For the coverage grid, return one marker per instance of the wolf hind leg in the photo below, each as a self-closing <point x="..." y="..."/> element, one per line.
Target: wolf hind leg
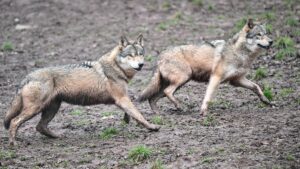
<point x="48" y="114"/>
<point x="27" y="113"/>
<point x="153" y="101"/>
<point x="175" y="83"/>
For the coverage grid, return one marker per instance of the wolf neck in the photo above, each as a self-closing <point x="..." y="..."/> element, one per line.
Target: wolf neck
<point x="112" y="69"/>
<point x="241" y="50"/>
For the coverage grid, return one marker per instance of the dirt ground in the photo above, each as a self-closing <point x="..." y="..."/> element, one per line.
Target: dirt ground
<point x="240" y="133"/>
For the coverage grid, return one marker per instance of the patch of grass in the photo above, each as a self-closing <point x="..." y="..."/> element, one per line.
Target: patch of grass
<point x="6" y="155"/>
<point x="286" y="91"/>
<point x="107" y="114"/>
<point x="7" y="46"/>
<point x="269" y="28"/>
<point x="210" y="7"/>
<point x="286" y="47"/>
<point x="198" y="3"/>
<point x="157" y="120"/>
<point x="168" y="23"/>
<point x="207" y="160"/>
<point x="149" y="58"/>
<point x="166" y="5"/>
<point x="157" y="164"/>
<point x="270" y="16"/>
<point x="260" y="73"/>
<point x="284" y="42"/>
<point x="209" y="120"/>
<point x="268" y="92"/>
<point x="290" y="157"/>
<point x="76" y="112"/>
<point x="291" y="21"/>
<point x="239" y="24"/>
<point x="296" y="32"/>
<point x="139" y="153"/>
<point x="108" y="133"/>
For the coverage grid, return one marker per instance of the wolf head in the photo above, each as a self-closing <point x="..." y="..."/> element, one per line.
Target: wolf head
<point x="254" y="36"/>
<point x="131" y="54"/>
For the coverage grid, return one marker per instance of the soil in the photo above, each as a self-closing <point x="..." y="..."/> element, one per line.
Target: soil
<point x="240" y="131"/>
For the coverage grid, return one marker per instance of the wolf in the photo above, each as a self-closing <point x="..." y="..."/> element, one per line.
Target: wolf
<point x="215" y="62"/>
<point x="102" y="81"/>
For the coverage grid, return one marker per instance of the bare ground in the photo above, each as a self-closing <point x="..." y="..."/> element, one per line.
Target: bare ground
<point x="240" y="133"/>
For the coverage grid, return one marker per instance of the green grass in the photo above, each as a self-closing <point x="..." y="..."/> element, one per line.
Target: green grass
<point x="166" y="5"/>
<point x="108" y="133"/>
<point x="291" y="21"/>
<point x="260" y="73"/>
<point x="149" y="58"/>
<point x="198" y="3"/>
<point x="210" y="7"/>
<point x="7" y="46"/>
<point x="6" y="155"/>
<point x="268" y="92"/>
<point x="290" y="157"/>
<point x="107" y="114"/>
<point x="269" y="28"/>
<point x="157" y="120"/>
<point x="286" y="47"/>
<point x="76" y="112"/>
<point x="286" y="92"/>
<point x="270" y="16"/>
<point x="139" y="153"/>
<point x="173" y="21"/>
<point x="157" y="164"/>
<point x="207" y="160"/>
<point x="239" y="25"/>
<point x="209" y="120"/>
<point x="296" y="32"/>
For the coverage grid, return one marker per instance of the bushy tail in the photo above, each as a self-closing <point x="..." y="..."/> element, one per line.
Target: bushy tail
<point x="14" y="110"/>
<point x="152" y="88"/>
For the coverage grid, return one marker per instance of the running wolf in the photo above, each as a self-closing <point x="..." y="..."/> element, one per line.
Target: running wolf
<point x="215" y="62"/>
<point x="103" y="81"/>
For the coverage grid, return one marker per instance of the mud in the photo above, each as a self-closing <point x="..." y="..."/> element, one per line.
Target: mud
<point x="240" y="133"/>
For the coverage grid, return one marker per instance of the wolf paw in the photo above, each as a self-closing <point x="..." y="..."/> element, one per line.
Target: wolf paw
<point x="153" y="127"/>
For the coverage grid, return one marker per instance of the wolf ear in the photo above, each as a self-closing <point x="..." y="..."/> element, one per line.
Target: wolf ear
<point x="123" y="41"/>
<point x="140" y="40"/>
<point x="249" y="25"/>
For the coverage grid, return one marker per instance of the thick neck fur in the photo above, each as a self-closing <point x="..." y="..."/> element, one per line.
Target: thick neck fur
<point x="112" y="68"/>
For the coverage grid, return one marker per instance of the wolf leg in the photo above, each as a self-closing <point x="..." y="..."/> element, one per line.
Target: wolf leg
<point x="210" y="91"/>
<point x="153" y="102"/>
<point x="174" y="85"/>
<point x="47" y="115"/>
<point x="245" y="83"/>
<point x="27" y="113"/>
<point x="126" y="104"/>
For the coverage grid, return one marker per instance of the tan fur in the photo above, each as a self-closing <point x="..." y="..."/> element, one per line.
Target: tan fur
<point x="216" y="62"/>
<point x="103" y="81"/>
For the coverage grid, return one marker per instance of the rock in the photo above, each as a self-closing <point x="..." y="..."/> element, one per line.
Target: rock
<point x="24" y="27"/>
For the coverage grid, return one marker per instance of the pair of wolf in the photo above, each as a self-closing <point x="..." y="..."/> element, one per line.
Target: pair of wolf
<point x="105" y="80"/>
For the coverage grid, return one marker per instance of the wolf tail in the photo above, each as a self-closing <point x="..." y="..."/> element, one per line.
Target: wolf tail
<point x="152" y="88"/>
<point x="13" y="111"/>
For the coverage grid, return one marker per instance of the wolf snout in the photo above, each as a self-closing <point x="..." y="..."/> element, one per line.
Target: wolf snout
<point x="141" y="65"/>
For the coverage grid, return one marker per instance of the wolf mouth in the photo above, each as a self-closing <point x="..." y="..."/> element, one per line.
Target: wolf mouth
<point x="265" y="47"/>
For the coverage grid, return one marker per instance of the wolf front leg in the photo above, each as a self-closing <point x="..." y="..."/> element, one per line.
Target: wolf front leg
<point x="245" y="83"/>
<point x="126" y="104"/>
<point x="210" y="91"/>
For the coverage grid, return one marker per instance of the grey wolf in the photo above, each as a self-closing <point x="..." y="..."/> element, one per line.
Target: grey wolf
<point x="214" y="62"/>
<point x="102" y="81"/>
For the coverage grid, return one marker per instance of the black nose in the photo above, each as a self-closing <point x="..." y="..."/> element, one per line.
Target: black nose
<point x="270" y="43"/>
<point x="141" y="65"/>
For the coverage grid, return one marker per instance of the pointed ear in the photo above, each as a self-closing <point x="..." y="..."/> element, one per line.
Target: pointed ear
<point x="123" y="41"/>
<point x="140" y="40"/>
<point x="249" y="25"/>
